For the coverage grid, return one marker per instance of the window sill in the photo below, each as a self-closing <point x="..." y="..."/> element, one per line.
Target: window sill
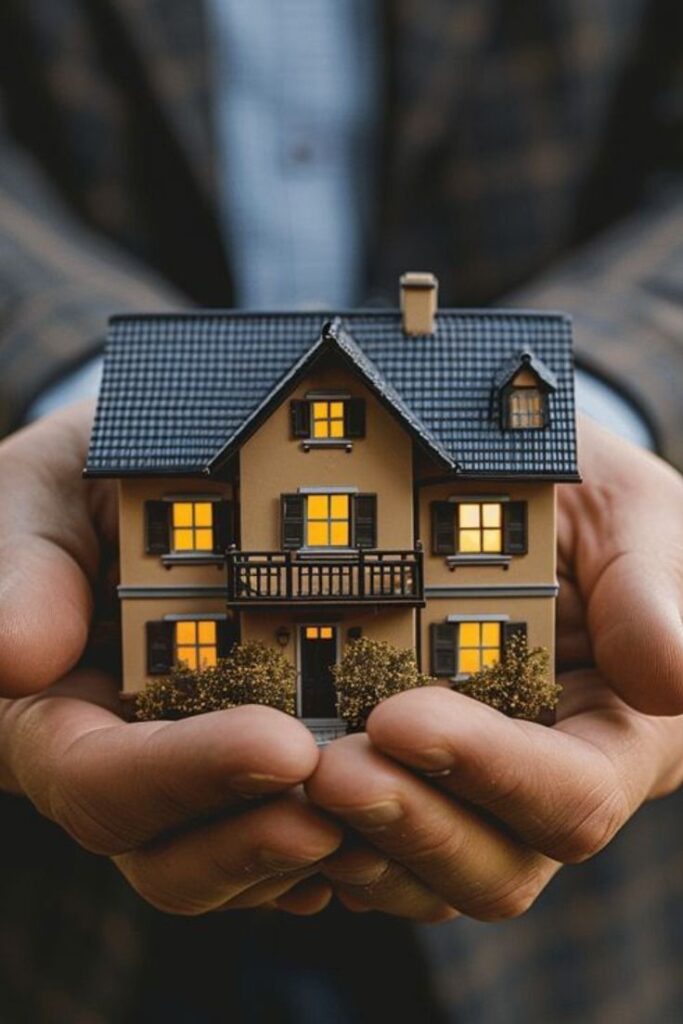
<point x="453" y="561"/>
<point x="319" y="442"/>
<point x="192" y="558"/>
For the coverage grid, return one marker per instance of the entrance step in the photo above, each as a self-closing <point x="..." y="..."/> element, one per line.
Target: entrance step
<point x="324" y="731"/>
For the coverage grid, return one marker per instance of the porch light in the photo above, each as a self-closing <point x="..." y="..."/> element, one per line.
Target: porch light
<point x="283" y="636"/>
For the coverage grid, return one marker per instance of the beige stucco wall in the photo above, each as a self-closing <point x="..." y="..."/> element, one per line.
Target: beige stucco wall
<point x="537" y="566"/>
<point x="396" y="626"/>
<point x="272" y="463"/>
<point x="135" y="612"/>
<point x="537" y="612"/>
<point x="137" y="567"/>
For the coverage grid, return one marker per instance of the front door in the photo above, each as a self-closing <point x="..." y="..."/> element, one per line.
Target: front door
<point x="318" y="647"/>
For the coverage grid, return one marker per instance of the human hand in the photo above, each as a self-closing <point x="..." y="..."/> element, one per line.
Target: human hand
<point x="174" y="803"/>
<point x="513" y="800"/>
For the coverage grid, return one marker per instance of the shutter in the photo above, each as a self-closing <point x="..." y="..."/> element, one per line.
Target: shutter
<point x="159" y="647"/>
<point x="511" y="629"/>
<point x="157" y="527"/>
<point x="515" y="528"/>
<point x="292" y="520"/>
<point x="226" y="630"/>
<point x="443" y="528"/>
<point x="354" y="417"/>
<point x="365" y="521"/>
<point x="223" y="526"/>
<point x="300" y="418"/>
<point x="442" y="637"/>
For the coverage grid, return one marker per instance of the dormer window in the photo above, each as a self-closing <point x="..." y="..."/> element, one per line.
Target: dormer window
<point x="521" y="393"/>
<point x="327" y="419"/>
<point x="525" y="408"/>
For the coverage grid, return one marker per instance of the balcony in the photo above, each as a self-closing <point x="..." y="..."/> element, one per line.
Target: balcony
<point x="272" y="578"/>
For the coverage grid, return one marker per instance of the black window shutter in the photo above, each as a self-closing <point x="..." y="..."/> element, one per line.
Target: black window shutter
<point x="515" y="527"/>
<point x="354" y="417"/>
<point x="365" y="521"/>
<point x="511" y="629"/>
<point x="300" y="416"/>
<point x="223" y="526"/>
<point x="443" y="648"/>
<point x="157" y="527"/>
<point x="292" y="520"/>
<point x="443" y="528"/>
<point x="226" y="630"/>
<point x="159" y="647"/>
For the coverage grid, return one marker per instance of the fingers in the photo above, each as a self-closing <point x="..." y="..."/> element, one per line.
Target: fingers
<point x="114" y="786"/>
<point x="365" y="880"/>
<point x="621" y="540"/>
<point x="470" y="865"/>
<point x="565" y="791"/>
<point x="306" y="898"/>
<point x="208" y="867"/>
<point x="48" y="549"/>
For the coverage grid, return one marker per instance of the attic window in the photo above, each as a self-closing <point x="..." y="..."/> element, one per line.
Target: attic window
<point x="526" y="408"/>
<point x="327" y="419"/>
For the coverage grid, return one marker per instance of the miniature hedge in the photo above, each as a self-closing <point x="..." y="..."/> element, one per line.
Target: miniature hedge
<point x="252" y="673"/>
<point x="518" y="685"/>
<point x="369" y="672"/>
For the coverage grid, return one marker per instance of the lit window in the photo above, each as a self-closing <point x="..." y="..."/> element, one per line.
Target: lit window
<point x="192" y="526"/>
<point x="328" y="419"/>
<point x="327" y="520"/>
<point x="480" y="528"/>
<point x="478" y="646"/>
<point x="526" y="409"/>
<point x="196" y="643"/>
<point x="319" y="633"/>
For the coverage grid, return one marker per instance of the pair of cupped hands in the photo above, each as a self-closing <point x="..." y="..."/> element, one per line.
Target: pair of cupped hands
<point x="444" y="807"/>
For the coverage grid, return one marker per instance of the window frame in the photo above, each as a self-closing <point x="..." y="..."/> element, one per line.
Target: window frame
<point x="330" y="520"/>
<point x="481" y="528"/>
<point x="511" y="391"/>
<point x="197" y="622"/>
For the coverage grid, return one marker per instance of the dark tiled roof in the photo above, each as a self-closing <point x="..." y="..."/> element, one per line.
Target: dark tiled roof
<point x="178" y="390"/>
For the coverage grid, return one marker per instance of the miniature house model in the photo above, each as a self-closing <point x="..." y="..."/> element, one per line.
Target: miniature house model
<point x="304" y="479"/>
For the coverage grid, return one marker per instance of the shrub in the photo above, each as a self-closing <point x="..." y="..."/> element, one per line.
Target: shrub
<point x="252" y="673"/>
<point x="518" y="685"/>
<point x="369" y="672"/>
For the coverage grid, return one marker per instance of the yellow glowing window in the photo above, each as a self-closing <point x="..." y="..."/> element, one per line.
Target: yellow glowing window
<point x="196" y="643"/>
<point x="526" y="409"/>
<point x="478" y="646"/>
<point x="319" y="633"/>
<point x="480" y="528"/>
<point x="328" y="419"/>
<point x="327" y="521"/>
<point x="192" y="526"/>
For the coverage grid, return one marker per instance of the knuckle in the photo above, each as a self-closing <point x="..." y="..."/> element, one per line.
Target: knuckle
<point x="514" y="900"/>
<point x="597" y="824"/>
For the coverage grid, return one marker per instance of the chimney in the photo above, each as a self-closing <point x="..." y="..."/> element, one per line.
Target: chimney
<point x="419" y="291"/>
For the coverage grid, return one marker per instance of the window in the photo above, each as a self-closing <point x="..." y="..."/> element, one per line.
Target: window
<point x="328" y="419"/>
<point x="319" y="633"/>
<point x="196" y="643"/>
<point x="526" y="409"/>
<point x="480" y="527"/>
<point x="327" y="520"/>
<point x="478" y="646"/>
<point x="192" y="523"/>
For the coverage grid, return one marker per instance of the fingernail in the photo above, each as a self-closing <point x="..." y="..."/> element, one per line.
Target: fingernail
<point x="277" y="861"/>
<point x="374" y="816"/>
<point x="255" y="784"/>
<point x="437" y="760"/>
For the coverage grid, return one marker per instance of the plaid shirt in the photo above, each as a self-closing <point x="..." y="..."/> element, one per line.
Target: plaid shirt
<point x="531" y="150"/>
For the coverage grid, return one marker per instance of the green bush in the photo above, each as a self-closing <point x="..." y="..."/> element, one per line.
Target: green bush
<point x="252" y="673"/>
<point x="518" y="685"/>
<point x="369" y="672"/>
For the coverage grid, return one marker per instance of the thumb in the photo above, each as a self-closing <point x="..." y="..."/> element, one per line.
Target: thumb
<point x="48" y="551"/>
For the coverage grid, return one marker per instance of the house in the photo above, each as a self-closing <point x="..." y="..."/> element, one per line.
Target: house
<point x="307" y="478"/>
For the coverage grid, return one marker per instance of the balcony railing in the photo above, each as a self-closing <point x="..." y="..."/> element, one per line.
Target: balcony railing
<point x="361" y="577"/>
